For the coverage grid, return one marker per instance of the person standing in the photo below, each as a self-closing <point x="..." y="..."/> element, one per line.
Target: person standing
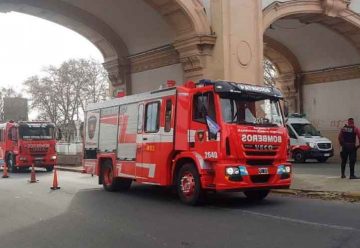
<point x="347" y="140"/>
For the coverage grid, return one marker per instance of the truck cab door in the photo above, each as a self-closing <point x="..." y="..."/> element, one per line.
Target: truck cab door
<point x="148" y="141"/>
<point x="13" y="138"/>
<point x="204" y="133"/>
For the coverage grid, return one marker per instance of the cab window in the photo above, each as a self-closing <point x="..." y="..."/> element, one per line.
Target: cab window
<point x="152" y="119"/>
<point x="168" y="113"/>
<point x="13" y="134"/>
<point x="203" y="105"/>
<point x="140" y="118"/>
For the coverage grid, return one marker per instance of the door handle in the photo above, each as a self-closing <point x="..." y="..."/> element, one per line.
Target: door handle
<point x="145" y="138"/>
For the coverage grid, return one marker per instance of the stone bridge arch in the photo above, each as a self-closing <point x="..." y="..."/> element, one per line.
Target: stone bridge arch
<point x="289" y="71"/>
<point x="185" y="18"/>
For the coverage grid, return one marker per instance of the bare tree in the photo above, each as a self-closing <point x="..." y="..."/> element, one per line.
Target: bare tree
<point x="270" y="72"/>
<point x="63" y="92"/>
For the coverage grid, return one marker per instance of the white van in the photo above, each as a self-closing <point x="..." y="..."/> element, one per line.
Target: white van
<point x="306" y="142"/>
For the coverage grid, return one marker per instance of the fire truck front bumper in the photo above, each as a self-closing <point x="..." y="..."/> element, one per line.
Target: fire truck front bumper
<point x="26" y="161"/>
<point x="244" y="177"/>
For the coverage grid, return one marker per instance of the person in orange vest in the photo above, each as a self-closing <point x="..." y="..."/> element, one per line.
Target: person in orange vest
<point x="347" y="140"/>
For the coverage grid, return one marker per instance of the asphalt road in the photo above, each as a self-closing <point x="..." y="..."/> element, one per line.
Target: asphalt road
<point x="81" y="214"/>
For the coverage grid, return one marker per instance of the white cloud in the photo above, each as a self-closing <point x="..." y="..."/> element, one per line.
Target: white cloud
<point x="28" y="43"/>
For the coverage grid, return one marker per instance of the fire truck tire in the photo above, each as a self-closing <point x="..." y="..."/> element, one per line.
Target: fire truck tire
<point x="256" y="195"/>
<point x="11" y="163"/>
<point x="189" y="186"/>
<point x="299" y="156"/>
<point x="49" y="168"/>
<point x="111" y="183"/>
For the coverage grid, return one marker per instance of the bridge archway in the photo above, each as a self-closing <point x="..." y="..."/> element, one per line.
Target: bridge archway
<point x="142" y="40"/>
<point x="323" y="37"/>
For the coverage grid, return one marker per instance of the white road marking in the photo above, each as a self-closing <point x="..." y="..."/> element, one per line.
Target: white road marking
<point x="305" y="222"/>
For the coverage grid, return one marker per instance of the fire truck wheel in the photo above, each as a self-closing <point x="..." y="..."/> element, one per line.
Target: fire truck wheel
<point x="256" y="195"/>
<point x="49" y="168"/>
<point x="11" y="163"/>
<point x="189" y="186"/>
<point x="299" y="157"/>
<point x="111" y="183"/>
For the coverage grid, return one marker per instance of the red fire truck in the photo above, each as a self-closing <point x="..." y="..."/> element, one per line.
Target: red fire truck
<point x="23" y="144"/>
<point x="209" y="136"/>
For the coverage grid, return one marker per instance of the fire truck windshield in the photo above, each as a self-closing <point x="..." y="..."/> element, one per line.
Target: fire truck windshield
<point x="251" y="111"/>
<point x="36" y="131"/>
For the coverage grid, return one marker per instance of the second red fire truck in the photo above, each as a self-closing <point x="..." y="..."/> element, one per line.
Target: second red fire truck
<point x="23" y="144"/>
<point x="209" y="136"/>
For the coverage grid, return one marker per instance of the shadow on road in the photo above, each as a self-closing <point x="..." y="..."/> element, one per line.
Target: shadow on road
<point x="157" y="194"/>
<point x="150" y="216"/>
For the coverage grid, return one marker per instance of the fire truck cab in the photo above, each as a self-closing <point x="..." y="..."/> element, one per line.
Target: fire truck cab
<point x="23" y="144"/>
<point x="209" y="136"/>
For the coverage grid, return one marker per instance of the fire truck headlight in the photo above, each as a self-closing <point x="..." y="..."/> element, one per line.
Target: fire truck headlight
<point x="53" y="157"/>
<point x="232" y="171"/>
<point x="283" y="169"/>
<point x="311" y="144"/>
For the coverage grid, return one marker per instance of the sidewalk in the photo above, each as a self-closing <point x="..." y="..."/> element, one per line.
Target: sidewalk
<point x="71" y="168"/>
<point x="325" y="183"/>
<point x="324" y="187"/>
<point x="323" y="180"/>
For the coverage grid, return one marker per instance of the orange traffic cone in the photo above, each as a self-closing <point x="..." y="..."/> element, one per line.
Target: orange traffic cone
<point x="33" y="175"/>
<point x="5" y="171"/>
<point x="55" y="181"/>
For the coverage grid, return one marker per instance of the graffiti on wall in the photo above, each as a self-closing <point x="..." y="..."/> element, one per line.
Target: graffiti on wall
<point x="331" y="125"/>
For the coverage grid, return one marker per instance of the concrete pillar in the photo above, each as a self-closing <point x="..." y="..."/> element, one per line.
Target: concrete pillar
<point x="238" y="52"/>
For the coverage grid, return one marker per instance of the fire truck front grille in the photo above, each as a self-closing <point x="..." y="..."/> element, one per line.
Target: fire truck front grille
<point x="324" y="145"/>
<point x="260" y="150"/>
<point x="260" y="153"/>
<point x="38" y="150"/>
<point x="260" y="178"/>
<point x="260" y="162"/>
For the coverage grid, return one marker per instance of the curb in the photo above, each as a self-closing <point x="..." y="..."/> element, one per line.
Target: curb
<point x="69" y="169"/>
<point x="325" y="195"/>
